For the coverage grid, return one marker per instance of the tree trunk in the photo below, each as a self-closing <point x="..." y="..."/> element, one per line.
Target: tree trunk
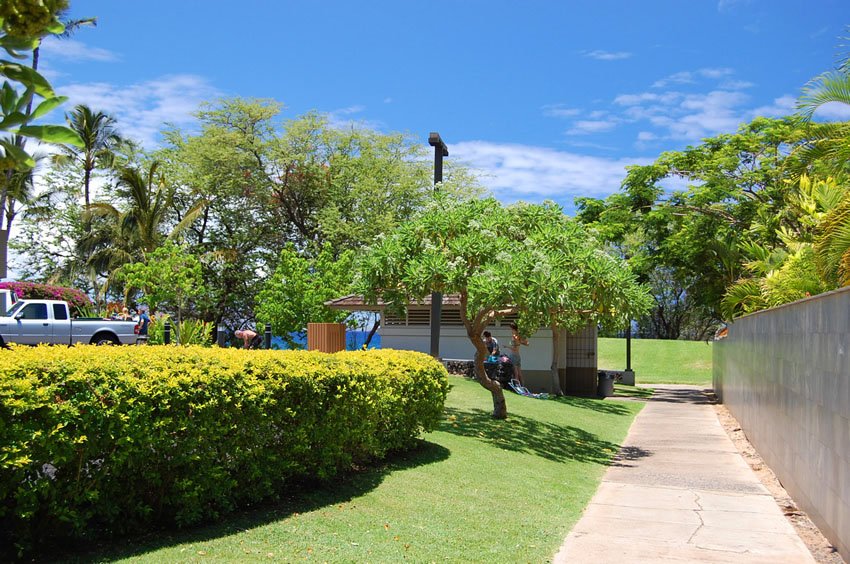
<point x="556" y="378"/>
<point x="86" y="183"/>
<point x="474" y="329"/>
<point x="372" y="332"/>
<point x="500" y="406"/>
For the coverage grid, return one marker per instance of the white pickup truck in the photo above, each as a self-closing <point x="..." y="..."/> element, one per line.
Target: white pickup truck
<point x="30" y="322"/>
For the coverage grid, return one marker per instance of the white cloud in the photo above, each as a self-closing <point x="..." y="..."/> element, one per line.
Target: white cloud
<point x="600" y="55"/>
<point x="76" y="51"/>
<point x="683" y="77"/>
<point x="708" y="114"/>
<point x="726" y="5"/>
<point x="142" y="109"/>
<point x="560" y="110"/>
<point x="782" y="106"/>
<point x="343" y="118"/>
<point x="647" y="136"/>
<point x="691" y="77"/>
<point x="638" y="99"/>
<point x="515" y="172"/>
<point x="833" y="111"/>
<point x="586" y="126"/>
<point x="689" y="117"/>
<point x="736" y="85"/>
<point x="715" y="73"/>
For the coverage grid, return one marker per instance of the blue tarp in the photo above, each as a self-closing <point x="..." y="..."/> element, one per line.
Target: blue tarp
<point x="353" y="340"/>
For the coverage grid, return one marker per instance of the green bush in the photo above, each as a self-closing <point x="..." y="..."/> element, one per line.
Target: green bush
<point x="102" y="441"/>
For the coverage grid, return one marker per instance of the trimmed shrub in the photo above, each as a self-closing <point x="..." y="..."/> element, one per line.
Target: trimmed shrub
<point x="102" y="441"/>
<point x="35" y="291"/>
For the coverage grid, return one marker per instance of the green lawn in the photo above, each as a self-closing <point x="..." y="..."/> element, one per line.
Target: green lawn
<point x="476" y="490"/>
<point x="660" y="362"/>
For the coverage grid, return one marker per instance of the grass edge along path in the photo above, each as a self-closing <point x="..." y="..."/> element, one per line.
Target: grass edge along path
<point x="475" y="490"/>
<point x="657" y="361"/>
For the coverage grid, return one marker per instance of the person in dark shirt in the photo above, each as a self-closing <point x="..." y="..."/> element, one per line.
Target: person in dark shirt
<point x="491" y="343"/>
<point x="144" y="324"/>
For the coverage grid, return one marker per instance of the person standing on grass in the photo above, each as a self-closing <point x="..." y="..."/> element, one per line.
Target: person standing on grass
<point x="516" y="359"/>
<point x="144" y="323"/>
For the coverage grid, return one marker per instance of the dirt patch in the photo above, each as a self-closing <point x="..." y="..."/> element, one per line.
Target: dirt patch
<point x="819" y="546"/>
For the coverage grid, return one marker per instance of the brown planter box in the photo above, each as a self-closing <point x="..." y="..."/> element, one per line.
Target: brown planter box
<point x="326" y="337"/>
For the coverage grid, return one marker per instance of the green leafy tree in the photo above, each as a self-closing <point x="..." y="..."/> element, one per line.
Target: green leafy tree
<point x="169" y="278"/>
<point x="525" y="259"/>
<point x="268" y="183"/>
<point x="22" y="24"/>
<point x="296" y="293"/>
<point x="690" y="244"/>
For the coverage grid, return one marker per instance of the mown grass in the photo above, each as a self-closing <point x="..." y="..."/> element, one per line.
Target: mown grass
<point x="660" y="362"/>
<point x="475" y="490"/>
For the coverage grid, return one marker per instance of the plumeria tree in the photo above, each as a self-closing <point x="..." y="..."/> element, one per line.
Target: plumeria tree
<point x="525" y="259"/>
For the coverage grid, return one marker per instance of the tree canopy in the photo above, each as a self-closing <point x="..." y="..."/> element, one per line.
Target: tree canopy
<point x="525" y="259"/>
<point x="743" y="200"/>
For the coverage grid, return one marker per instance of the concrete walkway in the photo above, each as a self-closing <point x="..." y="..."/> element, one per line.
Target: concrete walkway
<point x="680" y="492"/>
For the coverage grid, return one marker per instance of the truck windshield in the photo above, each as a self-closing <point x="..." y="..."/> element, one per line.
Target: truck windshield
<point x="14" y="309"/>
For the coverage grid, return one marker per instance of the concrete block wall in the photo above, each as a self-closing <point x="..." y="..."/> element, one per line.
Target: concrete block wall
<point x="784" y="373"/>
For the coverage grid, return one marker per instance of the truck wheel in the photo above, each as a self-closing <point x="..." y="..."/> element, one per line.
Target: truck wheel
<point x="104" y="339"/>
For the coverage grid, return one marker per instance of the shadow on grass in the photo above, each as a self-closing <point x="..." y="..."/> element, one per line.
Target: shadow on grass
<point x="593" y="404"/>
<point x="552" y="441"/>
<point x="303" y="497"/>
<point x="633" y="392"/>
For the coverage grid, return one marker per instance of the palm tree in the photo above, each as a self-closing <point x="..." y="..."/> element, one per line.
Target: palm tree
<point x="122" y="236"/>
<point x="100" y="138"/>
<point x="829" y="143"/>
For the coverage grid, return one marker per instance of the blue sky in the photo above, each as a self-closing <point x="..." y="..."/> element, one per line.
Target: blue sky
<point x="547" y="99"/>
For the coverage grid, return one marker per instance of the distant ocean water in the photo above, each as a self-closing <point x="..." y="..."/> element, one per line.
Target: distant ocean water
<point x="354" y="340"/>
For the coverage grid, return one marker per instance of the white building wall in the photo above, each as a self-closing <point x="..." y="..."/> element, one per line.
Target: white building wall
<point x="454" y="343"/>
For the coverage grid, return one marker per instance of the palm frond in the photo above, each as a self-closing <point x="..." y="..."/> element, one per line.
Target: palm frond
<point x="192" y="214"/>
<point x="833" y="86"/>
<point x="742" y="297"/>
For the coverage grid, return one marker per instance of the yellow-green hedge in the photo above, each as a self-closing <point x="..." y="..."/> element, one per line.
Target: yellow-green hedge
<point x="104" y="440"/>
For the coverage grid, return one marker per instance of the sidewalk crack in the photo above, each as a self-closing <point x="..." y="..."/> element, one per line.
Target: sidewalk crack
<point x="698" y="513"/>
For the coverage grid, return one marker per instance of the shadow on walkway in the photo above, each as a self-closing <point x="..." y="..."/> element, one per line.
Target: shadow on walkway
<point x="690" y="395"/>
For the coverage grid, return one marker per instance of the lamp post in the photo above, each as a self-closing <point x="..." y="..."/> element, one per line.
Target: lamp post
<point x="440" y="151"/>
<point x="628" y="373"/>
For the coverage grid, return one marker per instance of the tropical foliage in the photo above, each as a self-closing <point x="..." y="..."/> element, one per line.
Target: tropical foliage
<point x="759" y="223"/>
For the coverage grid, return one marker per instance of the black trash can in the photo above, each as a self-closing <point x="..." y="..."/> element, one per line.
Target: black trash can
<point x="606" y="384"/>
